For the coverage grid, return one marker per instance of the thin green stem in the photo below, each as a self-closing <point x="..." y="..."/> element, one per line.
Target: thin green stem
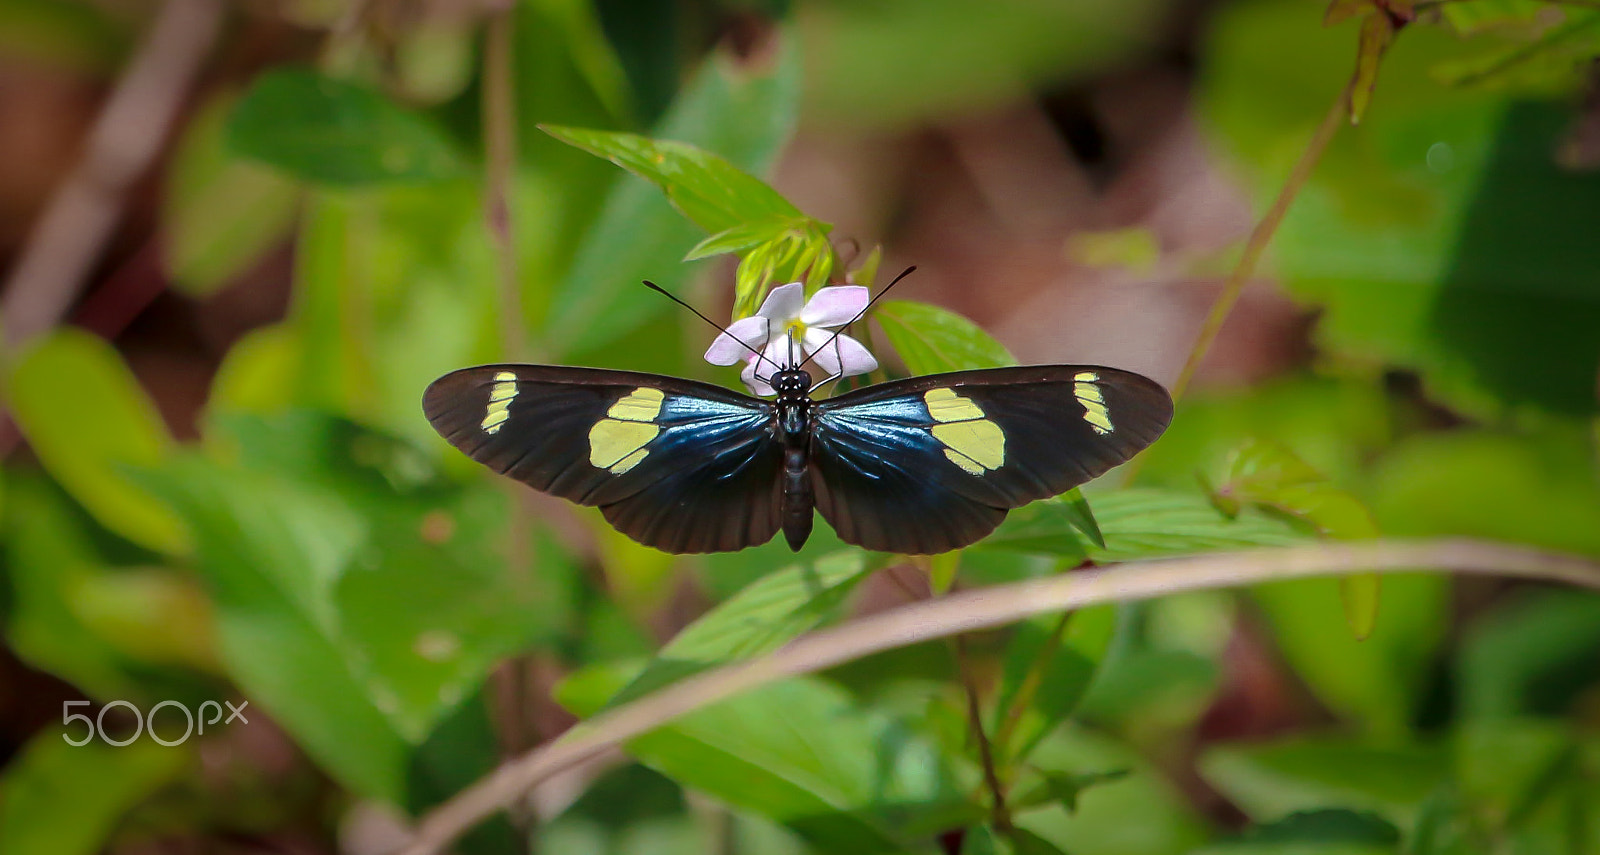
<point x="1260" y="236"/>
<point x="1030" y="684"/>
<point x="1000" y="816"/>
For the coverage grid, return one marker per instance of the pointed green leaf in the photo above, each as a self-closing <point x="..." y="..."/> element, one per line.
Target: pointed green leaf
<point x="744" y="115"/>
<point x="1042" y="528"/>
<point x="91" y="425"/>
<point x="1149" y="523"/>
<point x="705" y="187"/>
<point x="744" y="236"/>
<point x="932" y="340"/>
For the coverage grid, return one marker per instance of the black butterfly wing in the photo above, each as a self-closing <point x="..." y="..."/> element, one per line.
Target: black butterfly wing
<point x="674" y="464"/>
<point x="930" y="464"/>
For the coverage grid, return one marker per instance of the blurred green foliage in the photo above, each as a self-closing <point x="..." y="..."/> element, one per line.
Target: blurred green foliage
<point x="320" y="552"/>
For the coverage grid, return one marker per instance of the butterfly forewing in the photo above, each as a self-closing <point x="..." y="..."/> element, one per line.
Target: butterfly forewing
<point x="675" y="464"/>
<point x="930" y="464"/>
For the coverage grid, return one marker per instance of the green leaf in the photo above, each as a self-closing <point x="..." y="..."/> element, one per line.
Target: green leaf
<point x="931" y="340"/>
<point x="1078" y="512"/>
<point x="1324" y="827"/>
<point x="1507" y="769"/>
<point x="1550" y="64"/>
<point x="90" y="423"/>
<point x="1531" y="488"/>
<point x="1468" y="17"/>
<point x="271" y="555"/>
<point x="1150" y="523"/>
<point x="337" y="133"/>
<point x="798" y="752"/>
<point x="220" y="214"/>
<point x="1041" y="528"/>
<point x="48" y="557"/>
<point x="767" y="614"/>
<point x="985" y="840"/>
<point x="745" y="115"/>
<point x="259" y="372"/>
<point x="737" y="239"/>
<point x="1443" y="238"/>
<point x="708" y="189"/>
<point x="878" y="70"/>
<point x="68" y="800"/>
<point x="1043" y="679"/>
<point x="1065" y="788"/>
<point x="1378" y="682"/>
<point x="942" y="570"/>
<point x="1140" y="814"/>
<point x="1273" y="779"/>
<point x="361" y="597"/>
<point x="1522" y="658"/>
<point x="1271" y="476"/>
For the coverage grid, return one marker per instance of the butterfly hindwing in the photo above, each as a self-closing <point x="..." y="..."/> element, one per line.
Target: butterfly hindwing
<point x="675" y="464"/>
<point x="933" y="463"/>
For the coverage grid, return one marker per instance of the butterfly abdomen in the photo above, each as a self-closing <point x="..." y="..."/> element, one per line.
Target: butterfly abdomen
<point x="798" y="500"/>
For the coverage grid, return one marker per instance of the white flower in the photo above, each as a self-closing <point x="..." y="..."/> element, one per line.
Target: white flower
<point x="813" y="324"/>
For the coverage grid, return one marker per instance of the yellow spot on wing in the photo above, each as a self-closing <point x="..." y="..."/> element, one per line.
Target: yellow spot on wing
<point x="628" y="462"/>
<point x="1098" y="419"/>
<point x="981" y="440"/>
<point x="971" y="466"/>
<point x="945" y="405"/>
<point x="971" y="441"/>
<point x="1088" y="393"/>
<point x="500" y="396"/>
<point x="641" y="405"/>
<point x="619" y="445"/>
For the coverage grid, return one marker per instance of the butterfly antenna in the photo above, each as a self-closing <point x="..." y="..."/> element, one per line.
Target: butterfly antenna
<point x="869" y="305"/>
<point x="720" y="328"/>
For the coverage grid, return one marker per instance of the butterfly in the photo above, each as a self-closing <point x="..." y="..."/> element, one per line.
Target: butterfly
<point x="918" y="466"/>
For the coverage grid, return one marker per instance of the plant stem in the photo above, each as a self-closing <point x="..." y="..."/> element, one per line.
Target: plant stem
<point x="1030" y="683"/>
<point x="999" y="815"/>
<point x="511" y="680"/>
<point x="1260" y="236"/>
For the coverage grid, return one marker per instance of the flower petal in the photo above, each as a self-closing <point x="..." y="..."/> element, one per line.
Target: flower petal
<point x="835" y="305"/>
<point x="783" y="303"/>
<point x="729" y="347"/>
<point x="843" y="356"/>
<point x="777" y="354"/>
<point x="760" y="388"/>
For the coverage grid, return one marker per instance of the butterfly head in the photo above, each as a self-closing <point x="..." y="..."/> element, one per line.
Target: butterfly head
<point x="791" y="383"/>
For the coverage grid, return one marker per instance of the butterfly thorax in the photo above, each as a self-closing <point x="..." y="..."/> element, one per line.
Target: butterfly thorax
<point x="793" y="386"/>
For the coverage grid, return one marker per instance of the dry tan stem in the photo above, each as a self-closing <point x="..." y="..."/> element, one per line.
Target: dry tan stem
<point x="974" y="610"/>
<point x="126" y="137"/>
